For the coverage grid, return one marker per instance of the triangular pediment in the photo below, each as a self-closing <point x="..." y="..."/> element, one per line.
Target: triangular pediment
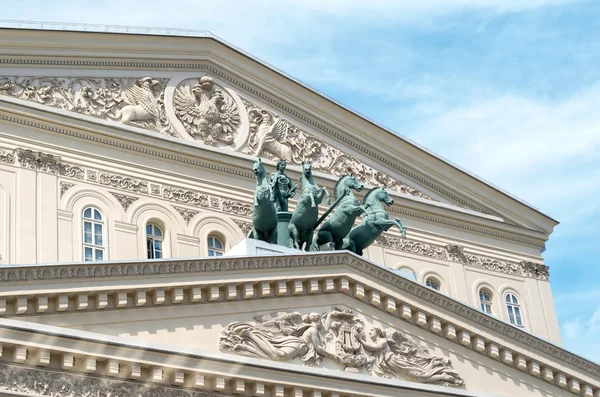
<point x="218" y="98"/>
<point x="300" y="310"/>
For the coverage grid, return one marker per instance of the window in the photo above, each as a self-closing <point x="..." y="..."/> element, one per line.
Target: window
<point x="154" y="241"/>
<point x="215" y="247"/>
<point x="513" y="309"/>
<point x="93" y="235"/>
<point x="432" y="283"/>
<point x="485" y="301"/>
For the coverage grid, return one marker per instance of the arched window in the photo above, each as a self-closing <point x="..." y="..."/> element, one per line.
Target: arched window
<point x="215" y="246"/>
<point x="154" y="241"/>
<point x="513" y="309"/>
<point x="93" y="235"/>
<point x="432" y="283"/>
<point x="485" y="301"/>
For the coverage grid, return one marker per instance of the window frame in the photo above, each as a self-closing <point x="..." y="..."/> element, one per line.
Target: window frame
<point x="93" y="245"/>
<point x="486" y="303"/>
<point x="213" y="251"/>
<point x="434" y="281"/>
<point x="153" y="238"/>
<point x="513" y="309"/>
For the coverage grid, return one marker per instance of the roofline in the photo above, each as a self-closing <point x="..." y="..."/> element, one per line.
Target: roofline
<point x="194" y="33"/>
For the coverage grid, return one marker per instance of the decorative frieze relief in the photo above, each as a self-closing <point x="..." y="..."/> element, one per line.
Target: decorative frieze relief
<point x="338" y="335"/>
<point x="124" y="200"/>
<point x="274" y="137"/>
<point x="38" y="161"/>
<point x="64" y="186"/>
<point x="7" y="156"/>
<point x="135" y="101"/>
<point x="122" y="182"/>
<point x="186" y="213"/>
<point x="235" y="207"/>
<point x="185" y="196"/>
<point x="455" y="253"/>
<point x="61" y="384"/>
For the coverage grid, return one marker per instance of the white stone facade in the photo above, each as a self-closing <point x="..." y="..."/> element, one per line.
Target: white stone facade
<point x="67" y="144"/>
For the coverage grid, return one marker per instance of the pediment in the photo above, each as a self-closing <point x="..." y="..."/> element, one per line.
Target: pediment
<point x="303" y="311"/>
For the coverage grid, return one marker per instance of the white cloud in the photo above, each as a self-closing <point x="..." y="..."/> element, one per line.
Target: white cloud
<point x="582" y="334"/>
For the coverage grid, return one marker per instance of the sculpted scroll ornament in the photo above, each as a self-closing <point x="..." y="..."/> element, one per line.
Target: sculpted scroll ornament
<point x="136" y="101"/>
<point x="274" y="137"/>
<point x="337" y="335"/>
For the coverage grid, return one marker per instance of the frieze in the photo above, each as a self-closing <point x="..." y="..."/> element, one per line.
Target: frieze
<point x="274" y="137"/>
<point x="124" y="200"/>
<point x="32" y="380"/>
<point x="92" y="175"/>
<point x="64" y="186"/>
<point x="186" y="213"/>
<point x="155" y="189"/>
<point x="224" y="264"/>
<point x="185" y="196"/>
<point x="122" y="182"/>
<point x="7" y="156"/>
<point x="341" y="336"/>
<point x="38" y="161"/>
<point x="235" y="207"/>
<point x="135" y="101"/>
<point x="456" y="253"/>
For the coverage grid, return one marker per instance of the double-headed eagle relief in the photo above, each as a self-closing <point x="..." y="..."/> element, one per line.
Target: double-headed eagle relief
<point x="208" y="113"/>
<point x="341" y="336"/>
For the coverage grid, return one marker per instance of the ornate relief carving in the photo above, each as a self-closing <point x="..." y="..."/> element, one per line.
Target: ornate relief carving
<point x="64" y="186"/>
<point x="185" y="196"/>
<point x="536" y="270"/>
<point x="244" y="226"/>
<point x="7" y="156"/>
<point x="136" y="101"/>
<point x="155" y="189"/>
<point x="208" y="112"/>
<point x="215" y="202"/>
<point x="237" y="208"/>
<point x="411" y="246"/>
<point x="92" y="175"/>
<point x="274" y="137"/>
<point x="122" y="182"/>
<point x="71" y="171"/>
<point x="455" y="253"/>
<point x="124" y="200"/>
<point x="38" y="161"/>
<point x="186" y="213"/>
<point x="338" y="335"/>
<point x="59" y="384"/>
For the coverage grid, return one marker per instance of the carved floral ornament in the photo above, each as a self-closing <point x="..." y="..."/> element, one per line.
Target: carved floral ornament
<point x="199" y="109"/>
<point x="338" y="335"/>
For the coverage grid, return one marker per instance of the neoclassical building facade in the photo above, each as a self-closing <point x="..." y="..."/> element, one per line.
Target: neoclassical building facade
<point x="126" y="182"/>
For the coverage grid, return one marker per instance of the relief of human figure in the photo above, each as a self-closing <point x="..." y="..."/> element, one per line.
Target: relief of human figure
<point x="396" y="356"/>
<point x="283" y="338"/>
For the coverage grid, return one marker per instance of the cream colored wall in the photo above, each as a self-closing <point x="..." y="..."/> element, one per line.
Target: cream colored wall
<point x="44" y="227"/>
<point x="199" y="327"/>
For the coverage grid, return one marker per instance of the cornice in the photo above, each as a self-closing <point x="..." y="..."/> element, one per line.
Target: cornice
<point x="78" y="271"/>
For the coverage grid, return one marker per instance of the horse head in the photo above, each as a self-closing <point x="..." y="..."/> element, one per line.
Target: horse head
<point x="346" y="182"/>
<point x="258" y="168"/>
<point x="307" y="168"/>
<point x="376" y="196"/>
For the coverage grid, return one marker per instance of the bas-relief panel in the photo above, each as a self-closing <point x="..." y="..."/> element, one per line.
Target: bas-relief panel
<point x="199" y="109"/>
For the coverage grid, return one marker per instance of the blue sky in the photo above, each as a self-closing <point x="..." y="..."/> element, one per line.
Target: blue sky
<point x="508" y="89"/>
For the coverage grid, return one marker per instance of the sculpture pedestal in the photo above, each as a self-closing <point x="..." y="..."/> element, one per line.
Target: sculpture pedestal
<point x="283" y="232"/>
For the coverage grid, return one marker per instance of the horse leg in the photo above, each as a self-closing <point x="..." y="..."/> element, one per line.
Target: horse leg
<point x="294" y="234"/>
<point x="309" y="239"/>
<point x="272" y="238"/>
<point x="312" y="200"/>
